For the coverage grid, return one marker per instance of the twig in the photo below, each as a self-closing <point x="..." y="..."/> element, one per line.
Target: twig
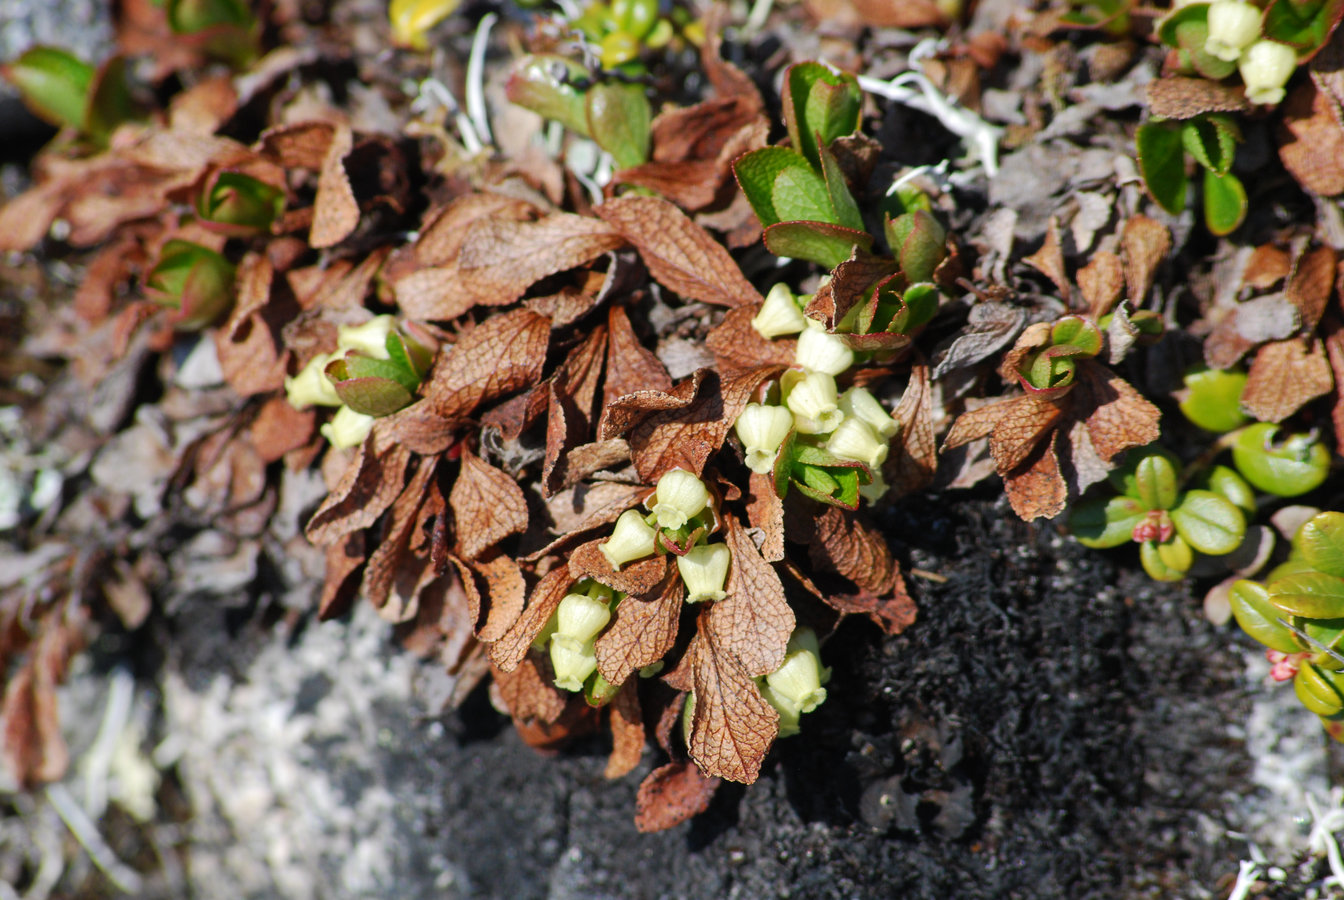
<point x="476" y="109"/>
<point x="122" y="876"/>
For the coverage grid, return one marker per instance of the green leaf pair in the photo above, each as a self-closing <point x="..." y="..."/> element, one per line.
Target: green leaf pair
<point x="1050" y="371"/>
<point x="1211" y="139"/>
<point x="615" y="115"/>
<point x="67" y="92"/>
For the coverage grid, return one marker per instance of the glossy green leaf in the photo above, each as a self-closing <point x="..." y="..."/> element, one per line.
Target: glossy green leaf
<point x="54" y="84"/>
<point x="1224" y="203"/>
<point x="1286" y="467"/>
<point x="110" y="103"/>
<point x="756" y="173"/>
<point x="1315" y="595"/>
<point x="1213" y="401"/>
<point x="799" y="195"/>
<point x="1226" y="483"/>
<point x="845" y="211"/>
<point x="1162" y="164"/>
<point x="1304" y="25"/>
<point x="1209" y="523"/>
<point x="1157" y="482"/>
<point x="1259" y="618"/>
<point x="240" y="201"/>
<point x="619" y="119"/>
<point x="1317" y="692"/>
<point x="1077" y="333"/>
<point x="1212" y="141"/>
<point x="551" y="86"/>
<point x="1156" y="566"/>
<point x="821" y="102"/>
<point x="1321" y="541"/>
<point x="194" y="280"/>
<point x="827" y="245"/>
<point x="919" y="304"/>
<point x="1122" y="476"/>
<point x="1106" y="522"/>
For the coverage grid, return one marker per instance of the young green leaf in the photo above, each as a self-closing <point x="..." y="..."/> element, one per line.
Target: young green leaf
<point x="1101" y="523"/>
<point x="1317" y="691"/>
<point x="825" y="244"/>
<point x="1157" y="482"/>
<point x="820" y="106"/>
<point x="756" y="173"/>
<point x="619" y="119"/>
<point x="1259" y="618"/>
<point x="1224" y="203"/>
<point x="1287" y="468"/>
<point x="1303" y="25"/>
<point x="1155" y="563"/>
<point x="1209" y="523"/>
<point x="1162" y="163"/>
<point x="844" y="210"/>
<point x="1315" y="595"/>
<point x="1213" y="401"/>
<point x="54" y="84"/>
<point x="800" y="195"/>
<point x="1226" y="483"/>
<point x="1321" y="542"/>
<point x="1192" y="39"/>
<point x="1212" y="141"/>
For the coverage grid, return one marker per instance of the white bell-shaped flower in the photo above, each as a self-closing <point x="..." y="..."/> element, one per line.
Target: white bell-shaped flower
<point x="705" y="571"/>
<point x="1233" y="26"/>
<point x="679" y="496"/>
<point x="631" y="538"/>
<point x="1266" y="67"/>
<point x="821" y="351"/>
<point x="369" y="338"/>
<point x="573" y="661"/>
<point x="581" y="617"/>
<point x="799" y="680"/>
<point x="814" y="402"/>
<point x="347" y="428"/>
<point x="876" y="489"/>
<point x="779" y="315"/>
<point x="855" y="439"/>
<point x="789" y="713"/>
<point x="762" y="429"/>
<point x="861" y="404"/>
<point x="312" y="387"/>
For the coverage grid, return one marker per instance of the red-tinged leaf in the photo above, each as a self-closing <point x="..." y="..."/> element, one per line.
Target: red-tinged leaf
<point x="738" y="347"/>
<point x="765" y="512"/>
<point x="691" y="184"/>
<point x="631" y="366"/>
<point x="671" y="794"/>
<point x="527" y="692"/>
<point x="642" y="632"/>
<point x="625" y="412"/>
<point x="978" y="423"/>
<point x="851" y="284"/>
<point x="1284" y="377"/>
<point x="500" y="259"/>
<point x="503" y="354"/>
<point x="509" y="650"/>
<point x="845" y="544"/>
<point x="1146" y="243"/>
<point x="1036" y="489"/>
<point x="35" y="752"/>
<point x="371" y="483"/>
<point x="680" y="254"/>
<point x="571" y="413"/>
<point x="344" y="558"/>
<point x="335" y="210"/>
<point x="733" y="725"/>
<point x="487" y="505"/>
<point x="627" y="732"/>
<point x="639" y="578"/>
<point x="892" y="614"/>
<point x="754" y="621"/>
<point x="914" y="451"/>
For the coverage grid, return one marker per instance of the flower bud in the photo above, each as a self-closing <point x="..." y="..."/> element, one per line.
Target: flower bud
<point x="369" y="338"/>
<point x="861" y="404"/>
<point x="779" y="314"/>
<point x="876" y="489"/>
<point x="813" y="400"/>
<point x="311" y="387"/>
<point x="855" y="439"/>
<point x="1233" y="26"/>
<point x="581" y="617"/>
<point x="678" y="497"/>
<point x="820" y="351"/>
<point x="800" y="677"/>
<point x="347" y="428"/>
<point x="1266" y="67"/>
<point x="631" y="538"/>
<point x="788" y="713"/>
<point x="762" y="429"/>
<point x="705" y="570"/>
<point x="573" y="661"/>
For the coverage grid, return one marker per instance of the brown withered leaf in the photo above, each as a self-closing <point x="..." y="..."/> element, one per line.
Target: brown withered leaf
<point x="733" y="725"/>
<point x="1179" y="97"/>
<point x="571" y="413"/>
<point x="1267" y="266"/>
<point x="509" y="650"/>
<point x="631" y="366"/>
<point x="586" y="506"/>
<point x="564" y="307"/>
<point x="765" y="511"/>
<point x="691" y="184"/>
<point x="642" y="631"/>
<point x="1115" y="415"/>
<point x="843" y="543"/>
<point x="280" y="428"/>
<point x="344" y="558"/>
<point x="440" y="240"/>
<point x="1310" y="285"/>
<point x="914" y="451"/>
<point x="588" y="459"/>
<point x="1334" y="346"/>
<point x="1145" y="242"/>
<point x="390" y="554"/>
<point x="371" y="483"/>
<point x="638" y="579"/>
<point x="527" y="692"/>
<point x="738" y="347"/>
<point x="335" y="209"/>
<point x="754" y="621"/>
<point x="488" y="506"/>
<point x="35" y="751"/>
<point x="500" y="259"/>
<point x="680" y="254"/>
<point x="1311" y="141"/>
<point x="893" y="613"/>
<point x="250" y="354"/>
<point x="503" y="354"/>
<point x="1049" y="261"/>
<point x="1284" y="377"/>
<point x="1036" y="489"/>
<point x="506" y="591"/>
<point x="1023" y="424"/>
<point x="627" y="732"/>
<point x="850" y="285"/>
<point x="419" y="429"/>
<point x="671" y="794"/>
<point x="1102" y="282"/>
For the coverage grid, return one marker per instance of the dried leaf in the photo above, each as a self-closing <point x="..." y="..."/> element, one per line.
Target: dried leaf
<point x="441" y="239"/>
<point x="335" y="209"/>
<point x="503" y="354"/>
<point x="344" y="558"/>
<point x="754" y="621"/>
<point x="1267" y="266"/>
<point x="371" y="483"/>
<point x="914" y="453"/>
<point x="671" y="794"/>
<point x="1146" y="243"/>
<point x="1334" y="345"/>
<point x="571" y="413"/>
<point x="1117" y="418"/>
<point x="1311" y="142"/>
<point x="843" y="543"/>
<point x="487" y="505"/>
<point x="527" y="693"/>
<point x="738" y="347"/>
<point x="638" y="579"/>
<point x="501" y="259"/>
<point x="509" y="651"/>
<point x="1016" y="435"/>
<point x="1036" y="489"/>
<point x="631" y="366"/>
<point x="1049" y="261"/>
<point x="643" y="630"/>
<point x="390" y="554"/>
<point x="506" y="590"/>
<point x="765" y="511"/>
<point x="733" y="725"/>
<point x="586" y="506"/>
<point x="850" y="285"/>
<point x="250" y="353"/>
<point x="280" y="428"/>
<point x="1284" y="377"/>
<point x="35" y="752"/>
<point x="1310" y="285"/>
<point x="1102" y="282"/>
<point x="1178" y="97"/>
<point x="627" y="732"/>
<point x="680" y="254"/>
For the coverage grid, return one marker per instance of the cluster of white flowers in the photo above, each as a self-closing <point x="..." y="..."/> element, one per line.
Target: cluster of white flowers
<point x="852" y="425"/>
<point x="312" y="387"/>
<point x="1236" y="35"/>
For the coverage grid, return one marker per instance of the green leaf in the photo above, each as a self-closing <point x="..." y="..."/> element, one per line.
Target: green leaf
<point x="619" y="120"/>
<point x="54" y="84"/>
<point x="1122" y="477"/>
<point x="1315" y="595"/>
<point x="240" y="201"/>
<point x="1226" y="483"/>
<point x="195" y="280"/>
<point x="836" y="486"/>
<point x="827" y="245"/>
<point x="110" y="103"/>
<point x="1162" y="164"/>
<point x="799" y="195"/>
<point x="919" y="242"/>
<point x="1259" y="618"/>
<point x="756" y="173"/>
<point x="1213" y="401"/>
<point x="1321" y="541"/>
<point x="1224" y="203"/>
<point x="1304" y="26"/>
<point x="1212" y="141"/>
<point x="1287" y="468"/>
<point x="1078" y="334"/>
<point x="1317" y="690"/>
<point x="547" y="86"/>
<point x="1157" y="482"/>
<point x="819" y="101"/>
<point x="918" y="306"/>
<point x="784" y="462"/>
<point x="357" y="365"/>
<point x="845" y="210"/>
<point x="1209" y="523"/>
<point x="1192" y="37"/>
<point x="1168" y="26"/>
<point x="1156" y="566"/>
<point x="1176" y="554"/>
<point x="1101" y="523"/>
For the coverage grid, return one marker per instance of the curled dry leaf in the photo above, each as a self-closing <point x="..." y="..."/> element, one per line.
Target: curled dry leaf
<point x="638" y="579"/>
<point x="372" y="481"/>
<point x="527" y="692"/>
<point x="914" y="452"/>
<point x="1146" y="242"/>
<point x="1049" y="261"/>
<point x="392" y="551"/>
<point x="344" y="557"/>
<point x="505" y="591"/>
<point x="503" y="354"/>
<point x="500" y="259"/>
<point x="844" y="543"/>
<point x="733" y="725"/>
<point x="250" y="353"/>
<point x="1036" y="489"/>
<point x="738" y="347"/>
<point x="851" y="284"/>
<point x="1310" y="285"/>
<point x="643" y="630"/>
<point x="627" y="732"/>
<point x="1102" y="282"/>
<point x="671" y="794"/>
<point x="754" y="621"/>
<point x="509" y="650"/>
<point x="630" y="365"/>
<point x="335" y="209"/>
<point x="1311" y="142"/>
<point x="35" y="752"/>
<point x="487" y="505"/>
<point x="571" y="413"/>
<point x="765" y="512"/>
